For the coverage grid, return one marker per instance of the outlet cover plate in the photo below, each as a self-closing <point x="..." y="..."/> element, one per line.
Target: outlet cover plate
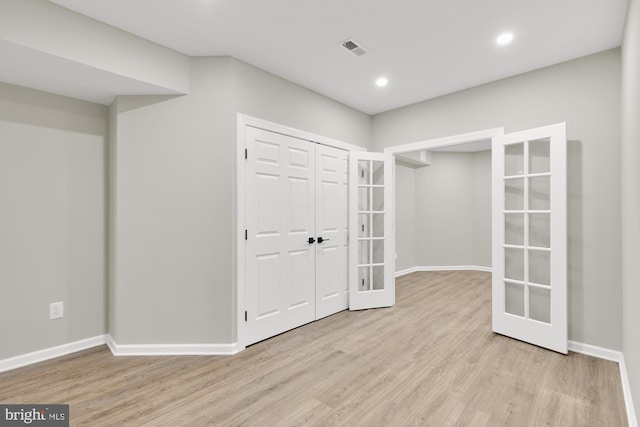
<point x="56" y="310"/>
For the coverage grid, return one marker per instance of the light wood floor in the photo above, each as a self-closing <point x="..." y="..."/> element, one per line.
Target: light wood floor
<point x="431" y="360"/>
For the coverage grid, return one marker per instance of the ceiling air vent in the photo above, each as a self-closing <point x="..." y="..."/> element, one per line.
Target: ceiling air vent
<point x="354" y="47"/>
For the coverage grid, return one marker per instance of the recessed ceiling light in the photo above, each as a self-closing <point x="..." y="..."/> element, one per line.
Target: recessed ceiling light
<point x="504" y="39"/>
<point x="382" y="82"/>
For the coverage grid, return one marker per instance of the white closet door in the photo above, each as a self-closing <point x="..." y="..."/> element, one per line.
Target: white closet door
<point x="332" y="292"/>
<point x="371" y="269"/>
<point x="280" y="218"/>
<point x="530" y="236"/>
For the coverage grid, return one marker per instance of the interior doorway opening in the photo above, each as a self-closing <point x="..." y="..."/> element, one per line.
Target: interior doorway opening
<point x="528" y="228"/>
<point x="443" y="203"/>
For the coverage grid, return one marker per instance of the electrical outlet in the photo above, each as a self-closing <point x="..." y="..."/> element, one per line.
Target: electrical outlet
<point x="56" y="310"/>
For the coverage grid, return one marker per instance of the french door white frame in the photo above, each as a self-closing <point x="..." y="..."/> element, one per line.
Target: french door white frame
<point x="242" y="122"/>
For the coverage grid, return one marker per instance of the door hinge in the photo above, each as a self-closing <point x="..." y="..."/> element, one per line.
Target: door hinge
<point x="246" y="235"/>
<point x="245" y="316"/>
<point x="246" y="153"/>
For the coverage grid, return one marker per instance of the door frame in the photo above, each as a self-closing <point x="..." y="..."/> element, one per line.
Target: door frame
<point x="242" y="122"/>
<point x="447" y="141"/>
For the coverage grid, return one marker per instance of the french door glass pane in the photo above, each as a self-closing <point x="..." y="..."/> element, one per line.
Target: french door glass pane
<point x="378" y="172"/>
<point x="539" y="156"/>
<point x="540" y="230"/>
<point x="378" y="251"/>
<point x="363" y="278"/>
<point x="378" y="225"/>
<point x="514" y="159"/>
<point x="540" y="267"/>
<point x="378" y="199"/>
<point x="514" y="194"/>
<point x="363" y="199"/>
<point x="514" y="299"/>
<point x="378" y="278"/>
<point x="363" y="252"/>
<point x="363" y="225"/>
<point x="514" y="229"/>
<point x="514" y="263"/>
<point x="363" y="172"/>
<point x="539" y="193"/>
<point x="540" y="304"/>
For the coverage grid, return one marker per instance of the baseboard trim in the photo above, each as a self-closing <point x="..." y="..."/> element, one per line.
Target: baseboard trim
<point x="614" y="356"/>
<point x="628" y="398"/>
<point x="595" y="351"/>
<point x="172" y="349"/>
<point x="51" y="353"/>
<point x="444" y="268"/>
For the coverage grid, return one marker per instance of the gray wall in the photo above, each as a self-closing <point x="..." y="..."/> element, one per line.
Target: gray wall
<point x="481" y="193"/>
<point x="52" y="219"/>
<point x="173" y="279"/>
<point x="266" y="96"/>
<point x="631" y="198"/>
<point x="444" y="207"/>
<point x="405" y="221"/>
<point x="586" y="94"/>
<point x="443" y="212"/>
<point x="451" y="205"/>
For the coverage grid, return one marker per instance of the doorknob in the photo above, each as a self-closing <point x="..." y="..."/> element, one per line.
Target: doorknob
<point x="312" y="240"/>
<point x="321" y="239"/>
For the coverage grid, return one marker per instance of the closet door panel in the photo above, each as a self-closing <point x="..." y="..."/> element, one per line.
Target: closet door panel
<point x="332" y="230"/>
<point x="280" y="218"/>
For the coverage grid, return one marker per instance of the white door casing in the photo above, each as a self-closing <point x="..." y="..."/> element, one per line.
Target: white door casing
<point x="371" y="267"/>
<point x="529" y="217"/>
<point x="332" y="183"/>
<point x="280" y="220"/>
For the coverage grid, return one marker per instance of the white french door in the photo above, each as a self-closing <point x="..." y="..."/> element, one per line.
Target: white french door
<point x="371" y="270"/>
<point x="296" y="235"/>
<point x="530" y="236"/>
<point x="332" y="227"/>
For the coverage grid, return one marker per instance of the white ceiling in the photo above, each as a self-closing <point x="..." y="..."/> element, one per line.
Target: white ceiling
<point x="426" y="48"/>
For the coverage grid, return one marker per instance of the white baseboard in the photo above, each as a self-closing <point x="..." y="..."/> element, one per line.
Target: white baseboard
<point x="443" y="268"/>
<point x="172" y="349"/>
<point x="118" y="350"/>
<point x="614" y="356"/>
<point x="50" y="353"/>
<point x="595" y="351"/>
<point x="628" y="399"/>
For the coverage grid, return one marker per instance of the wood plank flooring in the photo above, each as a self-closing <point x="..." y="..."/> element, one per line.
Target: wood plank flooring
<point x="431" y="360"/>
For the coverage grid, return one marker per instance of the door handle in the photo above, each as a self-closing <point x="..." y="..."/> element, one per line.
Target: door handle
<point x="321" y="239"/>
<point x="312" y="240"/>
